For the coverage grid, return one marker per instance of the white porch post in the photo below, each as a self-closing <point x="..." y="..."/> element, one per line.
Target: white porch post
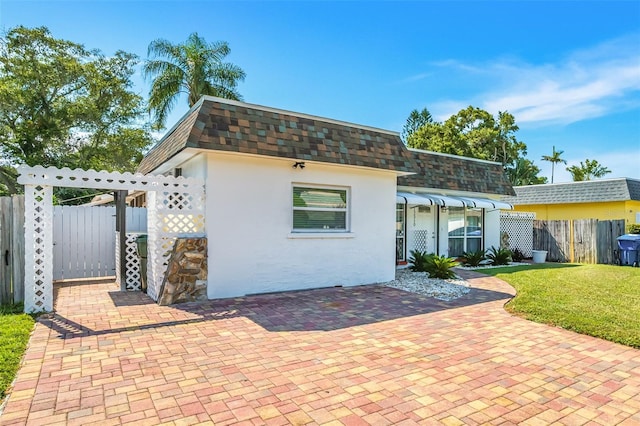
<point x="38" y="231"/>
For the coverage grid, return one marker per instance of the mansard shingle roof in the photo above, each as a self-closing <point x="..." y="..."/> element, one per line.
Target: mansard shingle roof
<point x="223" y="125"/>
<point x="232" y="126"/>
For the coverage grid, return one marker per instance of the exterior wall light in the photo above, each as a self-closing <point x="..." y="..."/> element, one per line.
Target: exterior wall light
<point x="298" y="164"/>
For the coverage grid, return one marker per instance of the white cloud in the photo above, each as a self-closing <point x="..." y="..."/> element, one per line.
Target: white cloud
<point x="586" y="84"/>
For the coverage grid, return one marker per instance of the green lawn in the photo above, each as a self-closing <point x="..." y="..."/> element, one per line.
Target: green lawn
<point x="15" y="328"/>
<point x="598" y="300"/>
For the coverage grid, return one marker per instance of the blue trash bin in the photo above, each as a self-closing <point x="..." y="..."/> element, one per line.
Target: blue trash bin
<point x="629" y="245"/>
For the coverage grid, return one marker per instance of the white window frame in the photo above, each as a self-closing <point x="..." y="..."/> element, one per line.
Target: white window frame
<point x="347" y="209"/>
<point x="465" y="237"/>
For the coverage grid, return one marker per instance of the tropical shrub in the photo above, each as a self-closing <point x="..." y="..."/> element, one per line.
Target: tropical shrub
<point x="517" y="255"/>
<point x="473" y="258"/>
<point x="418" y="260"/>
<point x="440" y="267"/>
<point x="499" y="256"/>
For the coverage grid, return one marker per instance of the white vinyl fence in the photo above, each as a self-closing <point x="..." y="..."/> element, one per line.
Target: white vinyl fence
<point x="84" y="244"/>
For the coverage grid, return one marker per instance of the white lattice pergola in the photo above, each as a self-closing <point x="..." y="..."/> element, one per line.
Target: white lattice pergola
<point x="175" y="207"/>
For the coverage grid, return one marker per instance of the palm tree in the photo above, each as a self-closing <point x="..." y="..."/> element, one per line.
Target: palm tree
<point x="522" y="171"/>
<point x="588" y="170"/>
<point x="195" y="68"/>
<point x="554" y="159"/>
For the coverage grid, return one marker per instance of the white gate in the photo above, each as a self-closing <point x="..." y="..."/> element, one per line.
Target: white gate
<point x="84" y="239"/>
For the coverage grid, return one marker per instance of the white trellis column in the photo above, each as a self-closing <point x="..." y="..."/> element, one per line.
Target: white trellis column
<point x="38" y="277"/>
<point x="174" y="210"/>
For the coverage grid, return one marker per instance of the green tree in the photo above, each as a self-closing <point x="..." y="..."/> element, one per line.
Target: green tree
<point x="194" y="67"/>
<point x="588" y="170"/>
<point x="524" y="172"/>
<point x="554" y="159"/>
<point x="472" y="132"/>
<point x="415" y="121"/>
<point x="65" y="106"/>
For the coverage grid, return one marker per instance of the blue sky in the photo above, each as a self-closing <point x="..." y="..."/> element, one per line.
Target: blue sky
<point x="568" y="71"/>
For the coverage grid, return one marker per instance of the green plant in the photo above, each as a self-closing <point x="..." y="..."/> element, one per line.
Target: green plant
<point x="473" y="258"/>
<point x="418" y="260"/>
<point x="517" y="255"/>
<point x="499" y="256"/>
<point x="15" y="328"/>
<point x="634" y="228"/>
<point x="440" y="267"/>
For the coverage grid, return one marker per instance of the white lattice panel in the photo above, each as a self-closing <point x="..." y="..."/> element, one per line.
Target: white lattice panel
<point x="38" y="280"/>
<point x="420" y="239"/>
<point x="132" y="279"/>
<point x="171" y="215"/>
<point x="519" y="227"/>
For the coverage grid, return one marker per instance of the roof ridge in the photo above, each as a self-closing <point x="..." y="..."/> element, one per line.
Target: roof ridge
<point x="296" y="114"/>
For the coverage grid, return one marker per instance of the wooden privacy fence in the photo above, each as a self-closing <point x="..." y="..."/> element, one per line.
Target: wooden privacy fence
<point x="581" y="241"/>
<point x="11" y="249"/>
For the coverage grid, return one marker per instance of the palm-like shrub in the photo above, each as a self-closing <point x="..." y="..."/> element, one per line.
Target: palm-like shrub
<point x="418" y="260"/>
<point x="517" y="255"/>
<point x="440" y="267"/>
<point x="473" y="258"/>
<point x="499" y="256"/>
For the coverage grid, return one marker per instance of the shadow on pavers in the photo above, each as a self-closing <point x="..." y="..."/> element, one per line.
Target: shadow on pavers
<point x="323" y="309"/>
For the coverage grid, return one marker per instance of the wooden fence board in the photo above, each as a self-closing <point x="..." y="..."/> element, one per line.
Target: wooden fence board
<point x="593" y="241"/>
<point x="552" y="236"/>
<point x="607" y="243"/>
<point x="6" y="289"/>
<point x="584" y="240"/>
<point x="18" y="248"/>
<point x="11" y="249"/>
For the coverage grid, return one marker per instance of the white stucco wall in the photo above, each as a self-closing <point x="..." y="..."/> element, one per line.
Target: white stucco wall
<point x="491" y="228"/>
<point x="249" y="222"/>
<point x="195" y="167"/>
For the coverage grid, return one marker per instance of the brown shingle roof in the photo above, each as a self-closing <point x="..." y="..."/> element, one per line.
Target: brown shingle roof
<point x="444" y="171"/>
<point x="232" y="126"/>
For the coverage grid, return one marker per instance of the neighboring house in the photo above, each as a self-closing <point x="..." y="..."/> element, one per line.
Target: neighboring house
<point x="295" y="201"/>
<point x="604" y="199"/>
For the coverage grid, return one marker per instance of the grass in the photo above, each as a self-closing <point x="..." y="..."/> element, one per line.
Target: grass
<point x="598" y="300"/>
<point x="15" y="328"/>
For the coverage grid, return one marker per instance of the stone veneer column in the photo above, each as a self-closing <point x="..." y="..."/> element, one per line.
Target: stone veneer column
<point x="186" y="276"/>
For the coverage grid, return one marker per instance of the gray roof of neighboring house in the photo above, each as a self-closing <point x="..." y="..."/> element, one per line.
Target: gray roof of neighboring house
<point x="452" y="172"/>
<point x="232" y="126"/>
<point x="620" y="189"/>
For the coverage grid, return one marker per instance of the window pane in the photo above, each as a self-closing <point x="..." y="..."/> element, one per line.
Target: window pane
<point x="474" y="223"/>
<point x="474" y="244"/>
<point x="456" y="247"/>
<point x="399" y="220"/>
<point x="319" y="198"/>
<point x="456" y="221"/>
<point x="308" y="219"/>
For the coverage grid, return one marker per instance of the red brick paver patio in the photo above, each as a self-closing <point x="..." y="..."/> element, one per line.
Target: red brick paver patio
<point x="351" y="356"/>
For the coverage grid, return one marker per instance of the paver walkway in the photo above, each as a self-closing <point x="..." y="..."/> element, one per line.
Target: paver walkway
<point x="350" y="356"/>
